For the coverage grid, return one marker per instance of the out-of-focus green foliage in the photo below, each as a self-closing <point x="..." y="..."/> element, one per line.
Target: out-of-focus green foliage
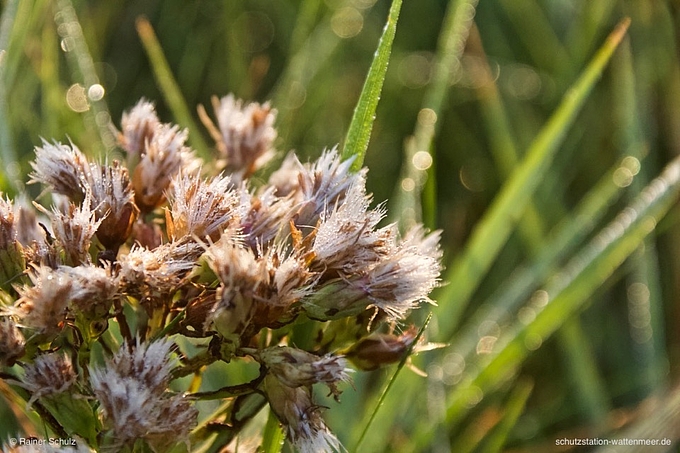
<point x="589" y="255"/>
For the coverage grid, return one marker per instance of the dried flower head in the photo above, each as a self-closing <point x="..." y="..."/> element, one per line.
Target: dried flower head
<point x="245" y="134"/>
<point x="300" y="417"/>
<point x="163" y="157"/>
<point x="347" y="238"/>
<point x="266" y="215"/>
<point x="12" y="341"/>
<point x="113" y="202"/>
<point x="49" y="374"/>
<point x="60" y="167"/>
<point x="400" y="281"/>
<point x="138" y="126"/>
<point x="44" y="304"/>
<point x="74" y="230"/>
<point x="93" y="289"/>
<point x="135" y="402"/>
<point x="202" y="208"/>
<point x="324" y="184"/>
<point x="147" y="273"/>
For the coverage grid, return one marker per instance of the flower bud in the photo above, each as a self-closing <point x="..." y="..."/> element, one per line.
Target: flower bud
<point x="300" y="417"/>
<point x="295" y="367"/>
<point x="380" y="349"/>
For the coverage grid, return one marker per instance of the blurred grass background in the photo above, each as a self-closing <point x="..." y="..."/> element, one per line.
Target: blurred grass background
<point x="614" y="356"/>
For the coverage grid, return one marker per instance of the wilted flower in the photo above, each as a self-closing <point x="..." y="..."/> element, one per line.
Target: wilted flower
<point x="74" y="230"/>
<point x="300" y="417"/>
<point x="43" y="305"/>
<point x="295" y="367"/>
<point x="113" y="202"/>
<point x="49" y="374"/>
<point x="163" y="157"/>
<point x="138" y="126"/>
<point x="201" y="208"/>
<point x="146" y="273"/>
<point x="132" y="389"/>
<point x="245" y="134"/>
<point x="61" y="167"/>
<point x="93" y="288"/>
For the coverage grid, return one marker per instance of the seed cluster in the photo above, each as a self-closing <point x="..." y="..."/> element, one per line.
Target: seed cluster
<point x="131" y="256"/>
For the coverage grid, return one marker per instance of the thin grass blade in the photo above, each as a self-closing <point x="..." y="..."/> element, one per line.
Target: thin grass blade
<point x="570" y="290"/>
<point x="498" y="223"/>
<point x="168" y="85"/>
<point x="359" y="132"/>
<point x="390" y="383"/>
<point x="272" y="439"/>
<point x="514" y="407"/>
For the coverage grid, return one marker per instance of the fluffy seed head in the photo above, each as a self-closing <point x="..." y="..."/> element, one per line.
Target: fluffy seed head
<point x="43" y="305"/>
<point x="245" y="134"/>
<point x="132" y="389"/>
<point x="202" y="208"/>
<point x="49" y="374"/>
<point x="60" y="167"/>
<point x="161" y="161"/>
<point x="138" y="126"/>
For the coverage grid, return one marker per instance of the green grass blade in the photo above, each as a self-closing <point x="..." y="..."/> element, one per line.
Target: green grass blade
<point x="514" y="407"/>
<point x="494" y="229"/>
<point x="401" y="364"/>
<point x="589" y="390"/>
<point x="579" y="279"/>
<point x="455" y="29"/>
<point x="359" y="131"/>
<point x="517" y="288"/>
<point x="644" y="285"/>
<point x="272" y="439"/>
<point x="168" y="85"/>
<point x="7" y="151"/>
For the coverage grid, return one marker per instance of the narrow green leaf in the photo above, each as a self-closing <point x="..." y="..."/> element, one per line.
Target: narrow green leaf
<point x="272" y="439"/>
<point x="7" y="151"/>
<point x="494" y="229"/>
<point x="455" y="29"/>
<point x="359" y="132"/>
<point x="514" y="407"/>
<point x="168" y="85"/>
<point x="568" y="293"/>
<point x="401" y="364"/>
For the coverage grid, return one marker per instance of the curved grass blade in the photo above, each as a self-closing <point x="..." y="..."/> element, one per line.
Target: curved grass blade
<point x="359" y="132"/>
<point x="272" y="439"/>
<point x="455" y="29"/>
<point x="514" y="407"/>
<point x="168" y="85"/>
<point x="495" y="228"/>
<point x="8" y="153"/>
<point x="569" y="292"/>
<point x="390" y="383"/>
